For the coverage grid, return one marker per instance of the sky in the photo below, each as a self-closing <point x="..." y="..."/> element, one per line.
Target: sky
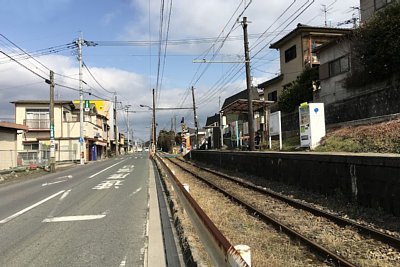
<point x="128" y="58"/>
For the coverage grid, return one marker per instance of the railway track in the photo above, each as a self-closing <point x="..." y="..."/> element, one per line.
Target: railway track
<point x="260" y="207"/>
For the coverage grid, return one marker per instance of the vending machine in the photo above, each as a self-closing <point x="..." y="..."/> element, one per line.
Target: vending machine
<point x="312" y="124"/>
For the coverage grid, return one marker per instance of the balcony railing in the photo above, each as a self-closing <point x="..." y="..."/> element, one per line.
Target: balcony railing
<point x="42" y="124"/>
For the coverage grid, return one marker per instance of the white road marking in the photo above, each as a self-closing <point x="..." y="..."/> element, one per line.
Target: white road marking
<point x="93" y="175"/>
<point x="118" y="176"/>
<point x="56" y="182"/>
<point x="74" y="218"/>
<point x="108" y="184"/>
<point x="137" y="191"/>
<point x="123" y="262"/>
<point x="65" y="194"/>
<point x="58" y="203"/>
<point x="65" y="176"/>
<point x="30" y="207"/>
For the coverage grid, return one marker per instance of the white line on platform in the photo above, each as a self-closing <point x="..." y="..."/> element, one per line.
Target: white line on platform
<point x="30" y="207"/>
<point x="74" y="218"/>
<point x="56" y="182"/>
<point x="93" y="175"/>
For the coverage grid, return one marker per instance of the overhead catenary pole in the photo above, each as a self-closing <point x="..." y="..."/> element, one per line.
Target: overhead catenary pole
<point x="81" y="136"/>
<point x="127" y="119"/>
<point x="195" y="119"/>
<point x="175" y="123"/>
<point x="221" y="127"/>
<point x="116" y="136"/>
<point x="154" y="123"/>
<point x="52" y="143"/>
<point x="248" y="84"/>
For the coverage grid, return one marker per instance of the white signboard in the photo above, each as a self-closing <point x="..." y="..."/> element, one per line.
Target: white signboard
<point x="274" y="127"/>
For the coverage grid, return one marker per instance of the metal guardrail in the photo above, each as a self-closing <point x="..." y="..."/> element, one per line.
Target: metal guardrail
<point x="220" y="250"/>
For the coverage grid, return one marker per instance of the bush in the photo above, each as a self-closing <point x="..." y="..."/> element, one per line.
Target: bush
<point x="375" y="48"/>
<point x="298" y="91"/>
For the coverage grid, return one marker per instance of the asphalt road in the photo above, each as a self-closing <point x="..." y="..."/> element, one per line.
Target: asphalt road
<point x="91" y="215"/>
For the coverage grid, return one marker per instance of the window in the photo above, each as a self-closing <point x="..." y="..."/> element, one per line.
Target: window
<point x="381" y="3"/>
<point x="339" y="66"/>
<point x="37" y="118"/>
<point x="32" y="146"/>
<point x="290" y="54"/>
<point x="273" y="96"/>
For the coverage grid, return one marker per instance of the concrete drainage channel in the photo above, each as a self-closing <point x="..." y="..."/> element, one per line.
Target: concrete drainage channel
<point x="220" y="251"/>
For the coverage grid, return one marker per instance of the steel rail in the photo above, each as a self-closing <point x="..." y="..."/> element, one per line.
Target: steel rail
<point x="320" y="250"/>
<point x="365" y="230"/>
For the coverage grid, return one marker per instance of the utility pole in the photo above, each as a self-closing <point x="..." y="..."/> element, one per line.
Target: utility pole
<point x="81" y="137"/>
<point x="154" y="123"/>
<point x="52" y="144"/>
<point x="248" y="83"/>
<point x="175" y="123"/>
<point x="116" y="135"/>
<point x="221" y="127"/>
<point x="325" y="11"/>
<point x="195" y="120"/>
<point x="127" y="118"/>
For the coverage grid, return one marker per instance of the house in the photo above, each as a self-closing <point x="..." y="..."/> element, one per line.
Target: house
<point x="8" y="144"/>
<point x="296" y="53"/>
<point x="372" y="100"/>
<point x="213" y="131"/>
<point x="235" y="112"/>
<point x="35" y="144"/>
<point x="336" y="63"/>
<point x="370" y="7"/>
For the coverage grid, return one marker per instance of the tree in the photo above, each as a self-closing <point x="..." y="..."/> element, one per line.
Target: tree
<point x="376" y="47"/>
<point x="298" y="91"/>
<point x="165" y="140"/>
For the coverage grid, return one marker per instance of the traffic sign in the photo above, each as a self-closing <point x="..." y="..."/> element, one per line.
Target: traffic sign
<point x="87" y="105"/>
<point x="51" y="131"/>
<point x="81" y="140"/>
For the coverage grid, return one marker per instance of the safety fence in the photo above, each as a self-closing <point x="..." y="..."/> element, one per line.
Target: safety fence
<point x="17" y="158"/>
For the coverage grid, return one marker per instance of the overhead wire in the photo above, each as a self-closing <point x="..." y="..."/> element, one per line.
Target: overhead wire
<point x="165" y="51"/>
<point x="206" y="94"/>
<point x="216" y="88"/>
<point x="94" y="78"/>
<point x="160" y="36"/>
<point x="194" y="81"/>
<point x="25" y="67"/>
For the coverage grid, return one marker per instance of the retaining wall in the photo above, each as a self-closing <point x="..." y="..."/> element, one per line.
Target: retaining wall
<point x="372" y="181"/>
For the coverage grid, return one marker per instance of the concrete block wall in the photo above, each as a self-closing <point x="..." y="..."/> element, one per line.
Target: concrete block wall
<point x="372" y="181"/>
<point x="375" y="103"/>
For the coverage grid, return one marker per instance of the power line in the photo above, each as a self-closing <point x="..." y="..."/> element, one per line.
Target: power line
<point x="25" y="67"/>
<point x="94" y="78"/>
<point x="165" y="49"/>
<point x="24" y="52"/>
<point x="212" y="92"/>
<point x="218" y="50"/>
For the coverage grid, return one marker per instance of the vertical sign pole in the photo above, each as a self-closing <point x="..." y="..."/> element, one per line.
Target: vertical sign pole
<point x="52" y="143"/>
